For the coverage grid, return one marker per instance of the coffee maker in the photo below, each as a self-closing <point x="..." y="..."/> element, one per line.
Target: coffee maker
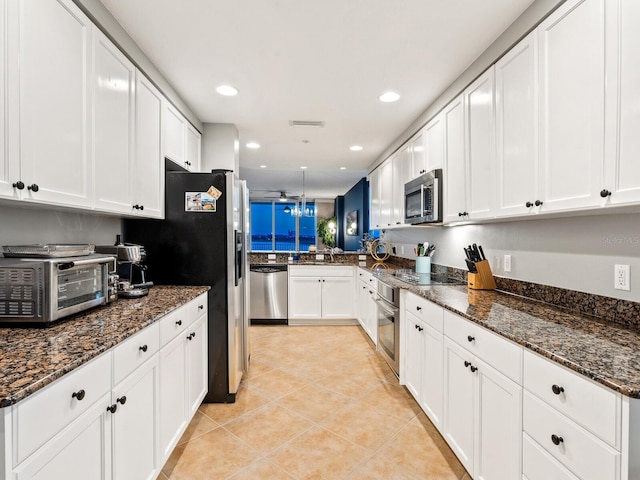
<point x="133" y="281"/>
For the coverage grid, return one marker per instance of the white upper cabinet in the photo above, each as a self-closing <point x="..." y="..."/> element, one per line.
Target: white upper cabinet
<point x="9" y="173"/>
<point x="480" y="145"/>
<point x="455" y="196"/>
<point x="386" y="193"/>
<point x="434" y="143"/>
<point x="113" y="126"/>
<point x="572" y="88"/>
<point x="193" y="146"/>
<point x="180" y="141"/>
<point x="54" y="101"/>
<point x="516" y="129"/>
<point x="417" y="154"/>
<point x="401" y="169"/>
<point x="148" y="167"/>
<point x="622" y="167"/>
<point x="374" y="198"/>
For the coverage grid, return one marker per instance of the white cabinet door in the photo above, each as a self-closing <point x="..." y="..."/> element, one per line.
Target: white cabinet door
<point x="372" y="316"/>
<point x="374" y="198"/>
<point x="432" y="395"/>
<point x="135" y="431"/>
<point x="113" y="126"/>
<point x="418" y="159"/>
<point x="516" y="129"/>
<point x="622" y="168"/>
<point x="196" y="364"/>
<point x="193" y="145"/>
<point x="174" y="134"/>
<point x="434" y="143"/>
<point x="572" y="88"/>
<point x="54" y="72"/>
<point x="148" y="172"/>
<point x="459" y="394"/>
<point x="81" y="452"/>
<point x="455" y="196"/>
<point x="337" y="297"/>
<point x="305" y="297"/>
<point x="386" y="193"/>
<point x="413" y="355"/>
<point x="363" y="305"/>
<point x="398" y="166"/>
<point x="172" y="399"/>
<point x="498" y="425"/>
<point x="480" y="145"/>
<point x="9" y="167"/>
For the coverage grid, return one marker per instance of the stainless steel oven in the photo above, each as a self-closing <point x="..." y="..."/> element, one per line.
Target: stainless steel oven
<point x="388" y="302"/>
<point x="423" y="198"/>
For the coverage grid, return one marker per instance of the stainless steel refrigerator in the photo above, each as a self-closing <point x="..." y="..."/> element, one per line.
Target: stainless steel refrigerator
<point x="202" y="241"/>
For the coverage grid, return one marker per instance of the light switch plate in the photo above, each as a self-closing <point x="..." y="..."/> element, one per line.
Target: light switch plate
<point x="320" y="256"/>
<point x="271" y="256"/>
<point x="362" y="257"/>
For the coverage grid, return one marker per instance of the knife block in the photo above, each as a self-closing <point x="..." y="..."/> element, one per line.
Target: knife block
<point x="483" y="280"/>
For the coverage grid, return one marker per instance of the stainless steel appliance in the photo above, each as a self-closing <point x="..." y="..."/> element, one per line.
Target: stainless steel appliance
<point x="202" y="241"/>
<point x="423" y="198"/>
<point x="388" y="302"/>
<point x="269" y="298"/>
<point x="133" y="279"/>
<point x="43" y="290"/>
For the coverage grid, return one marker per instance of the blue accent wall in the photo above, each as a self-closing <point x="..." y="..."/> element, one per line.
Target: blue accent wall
<point x="355" y="199"/>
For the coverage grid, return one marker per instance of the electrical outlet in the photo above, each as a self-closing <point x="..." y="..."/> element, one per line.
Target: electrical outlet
<point x="621" y="278"/>
<point x="507" y="263"/>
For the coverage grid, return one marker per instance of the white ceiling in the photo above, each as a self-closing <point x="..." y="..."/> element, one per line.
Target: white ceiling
<point x="322" y="60"/>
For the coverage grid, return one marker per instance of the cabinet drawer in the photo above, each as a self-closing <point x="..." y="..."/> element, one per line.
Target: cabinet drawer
<point x="590" y="405"/>
<point x="428" y="312"/>
<point x="537" y="464"/>
<point x="42" y="415"/>
<point x="320" y="271"/>
<point x="582" y="453"/>
<point x="197" y="307"/>
<point x="173" y="323"/>
<point x="498" y="352"/>
<point x="134" y="351"/>
<point x="364" y="275"/>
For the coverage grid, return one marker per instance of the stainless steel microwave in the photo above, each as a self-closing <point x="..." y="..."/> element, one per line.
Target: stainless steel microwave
<point x="423" y="199"/>
<point x="39" y="291"/>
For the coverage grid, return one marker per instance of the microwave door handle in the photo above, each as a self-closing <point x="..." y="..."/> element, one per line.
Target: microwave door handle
<point x="422" y="200"/>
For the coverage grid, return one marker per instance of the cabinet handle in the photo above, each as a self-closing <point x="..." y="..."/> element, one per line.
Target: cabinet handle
<point x="528" y="204"/>
<point x="193" y="334"/>
<point x="200" y="307"/>
<point x="467" y="364"/>
<point x="136" y="207"/>
<point x="462" y="214"/>
<point x="322" y="281"/>
<point x="79" y="395"/>
<point x="19" y="185"/>
<point x="539" y="202"/>
<point x="420" y="329"/>
<point x="418" y="308"/>
<point x="190" y="336"/>
<point x="605" y="193"/>
<point x="556" y="439"/>
<point x="179" y="322"/>
<point x="141" y="207"/>
<point x="112" y="408"/>
<point x="122" y="400"/>
<point x="144" y="348"/>
<point x="557" y="389"/>
<point x="370" y="292"/>
<point x="474" y="369"/>
<point x="415" y="326"/>
<point x="34" y="187"/>
<point x="470" y="338"/>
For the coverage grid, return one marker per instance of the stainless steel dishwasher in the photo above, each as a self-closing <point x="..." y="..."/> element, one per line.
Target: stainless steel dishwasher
<point x="268" y="286"/>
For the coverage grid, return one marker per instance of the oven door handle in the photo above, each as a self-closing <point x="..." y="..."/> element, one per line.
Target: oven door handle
<point x="382" y="304"/>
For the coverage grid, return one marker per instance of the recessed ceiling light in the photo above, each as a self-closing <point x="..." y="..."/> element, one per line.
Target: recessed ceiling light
<point x="263" y="166"/>
<point x="303" y="168"/>
<point x="389" y="97"/>
<point x="355" y="148"/>
<point x="343" y="168"/>
<point x="253" y="145"/>
<point x="227" y="90"/>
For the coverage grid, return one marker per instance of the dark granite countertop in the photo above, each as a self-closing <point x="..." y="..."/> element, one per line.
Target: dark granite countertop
<point x="603" y="351"/>
<point x="32" y="358"/>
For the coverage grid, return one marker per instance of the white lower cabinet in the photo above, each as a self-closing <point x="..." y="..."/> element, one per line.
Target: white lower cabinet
<point x="82" y="428"/>
<point x="367" y="307"/>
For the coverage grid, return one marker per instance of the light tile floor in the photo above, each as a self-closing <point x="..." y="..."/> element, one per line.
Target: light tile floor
<point x="317" y="403"/>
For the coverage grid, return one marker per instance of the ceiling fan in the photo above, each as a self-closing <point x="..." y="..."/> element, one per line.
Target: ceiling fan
<point x="282" y="195"/>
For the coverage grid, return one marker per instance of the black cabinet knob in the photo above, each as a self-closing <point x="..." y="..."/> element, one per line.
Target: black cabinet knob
<point x="112" y="408"/>
<point x="539" y="202"/>
<point x="370" y="292"/>
<point x="136" y="207"/>
<point x="122" y="400"/>
<point x="418" y="308"/>
<point x="557" y="389"/>
<point x="420" y="329"/>
<point x="556" y="439"/>
<point x="415" y="326"/>
<point x="144" y="348"/>
<point x="34" y="187"/>
<point x="19" y="185"/>
<point x="474" y="369"/>
<point x="605" y="193"/>
<point x="141" y="207"/>
<point x="189" y="337"/>
<point x="528" y="204"/>
<point x="179" y="322"/>
<point x="470" y="338"/>
<point x="193" y="334"/>
<point x="79" y="395"/>
<point x="460" y="214"/>
<point x="467" y="364"/>
<point x="200" y="307"/>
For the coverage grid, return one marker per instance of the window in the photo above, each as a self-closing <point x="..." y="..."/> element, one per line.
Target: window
<point x="276" y="226"/>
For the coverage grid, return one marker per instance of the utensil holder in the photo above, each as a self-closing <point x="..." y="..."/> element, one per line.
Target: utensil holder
<point x="423" y="264"/>
<point x="483" y="280"/>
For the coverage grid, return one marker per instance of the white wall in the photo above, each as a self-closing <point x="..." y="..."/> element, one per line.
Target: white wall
<point x="220" y="147"/>
<point x="29" y="225"/>
<point x="577" y="253"/>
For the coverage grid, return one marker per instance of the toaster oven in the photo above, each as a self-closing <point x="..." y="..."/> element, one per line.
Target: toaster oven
<point x="39" y="291"/>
